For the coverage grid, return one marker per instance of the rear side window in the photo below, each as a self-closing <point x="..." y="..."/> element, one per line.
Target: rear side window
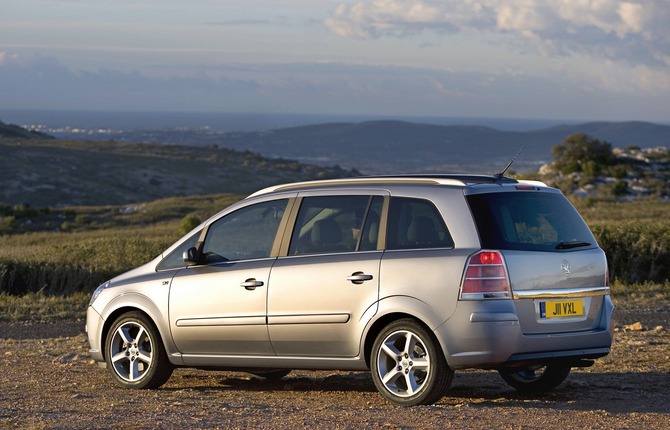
<point x="530" y="221"/>
<point x="416" y="223"/>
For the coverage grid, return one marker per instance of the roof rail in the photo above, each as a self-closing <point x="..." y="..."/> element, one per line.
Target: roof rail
<point x="421" y="178"/>
<point x="465" y="178"/>
<point x="454" y="180"/>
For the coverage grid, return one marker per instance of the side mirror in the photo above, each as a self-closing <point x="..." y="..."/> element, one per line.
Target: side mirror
<point x="191" y="256"/>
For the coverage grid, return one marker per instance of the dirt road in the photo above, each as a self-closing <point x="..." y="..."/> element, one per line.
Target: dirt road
<point x="47" y="381"/>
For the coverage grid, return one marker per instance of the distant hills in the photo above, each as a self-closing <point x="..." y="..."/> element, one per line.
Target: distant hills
<point x="41" y="171"/>
<point x="406" y="147"/>
<point x="396" y="146"/>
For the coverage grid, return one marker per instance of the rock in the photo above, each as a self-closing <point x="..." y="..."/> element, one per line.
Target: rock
<point x="637" y="326"/>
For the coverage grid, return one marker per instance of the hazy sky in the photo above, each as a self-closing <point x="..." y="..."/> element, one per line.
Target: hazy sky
<point x="563" y="59"/>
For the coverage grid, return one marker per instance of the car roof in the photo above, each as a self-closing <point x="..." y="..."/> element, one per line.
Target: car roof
<point x="457" y="180"/>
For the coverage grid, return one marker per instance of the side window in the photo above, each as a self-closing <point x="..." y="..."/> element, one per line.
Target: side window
<point x="247" y="233"/>
<point x="335" y="224"/>
<point x="416" y="223"/>
<point x="175" y="260"/>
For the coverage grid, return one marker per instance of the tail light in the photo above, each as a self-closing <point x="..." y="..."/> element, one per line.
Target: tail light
<point x="485" y="277"/>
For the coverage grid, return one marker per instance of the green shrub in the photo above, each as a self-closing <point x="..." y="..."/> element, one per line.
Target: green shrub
<point x="188" y="223"/>
<point x="636" y="252"/>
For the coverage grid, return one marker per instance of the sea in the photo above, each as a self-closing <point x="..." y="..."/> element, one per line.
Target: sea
<point x="61" y="123"/>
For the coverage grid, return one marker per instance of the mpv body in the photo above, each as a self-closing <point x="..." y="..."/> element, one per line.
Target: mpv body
<point x="410" y="277"/>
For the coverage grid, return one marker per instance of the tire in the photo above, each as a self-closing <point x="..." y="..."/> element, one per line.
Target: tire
<point x="271" y="374"/>
<point x="535" y="379"/>
<point x="408" y="366"/>
<point x="135" y="354"/>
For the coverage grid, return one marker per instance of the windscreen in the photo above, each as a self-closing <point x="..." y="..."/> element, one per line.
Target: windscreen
<point x="529" y="221"/>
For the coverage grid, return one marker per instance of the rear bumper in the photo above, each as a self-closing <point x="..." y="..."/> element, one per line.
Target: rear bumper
<point x="575" y="358"/>
<point x="487" y="334"/>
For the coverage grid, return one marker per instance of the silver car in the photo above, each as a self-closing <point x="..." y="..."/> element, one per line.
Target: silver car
<point x="409" y="277"/>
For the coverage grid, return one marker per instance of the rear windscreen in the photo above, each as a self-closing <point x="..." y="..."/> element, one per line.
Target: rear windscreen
<point x="530" y="221"/>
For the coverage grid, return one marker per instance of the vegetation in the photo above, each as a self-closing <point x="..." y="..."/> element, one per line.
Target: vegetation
<point x="43" y="307"/>
<point x="82" y="173"/>
<point x="87" y="218"/>
<point x="643" y="295"/>
<point x="635" y="236"/>
<point x="636" y="252"/>
<point x="587" y="167"/>
<point x="53" y="256"/>
<point x="113" y="239"/>
<point x="624" y="195"/>
<point x="581" y="153"/>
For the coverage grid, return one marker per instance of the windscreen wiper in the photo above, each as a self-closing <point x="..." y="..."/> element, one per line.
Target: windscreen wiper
<point x="570" y="245"/>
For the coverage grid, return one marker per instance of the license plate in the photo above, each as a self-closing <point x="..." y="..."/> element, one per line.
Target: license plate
<point x="561" y="309"/>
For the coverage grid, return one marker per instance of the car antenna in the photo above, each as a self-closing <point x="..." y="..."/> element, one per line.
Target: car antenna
<point x="501" y="174"/>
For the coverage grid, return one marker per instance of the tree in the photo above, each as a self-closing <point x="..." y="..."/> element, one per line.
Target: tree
<point x="582" y="153"/>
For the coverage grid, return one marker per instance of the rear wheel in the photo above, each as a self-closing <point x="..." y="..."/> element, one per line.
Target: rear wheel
<point x="408" y="366"/>
<point x="535" y="379"/>
<point x="135" y="354"/>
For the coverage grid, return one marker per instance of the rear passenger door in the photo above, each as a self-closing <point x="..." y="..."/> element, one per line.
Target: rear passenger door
<point x="326" y="288"/>
<point x="420" y="262"/>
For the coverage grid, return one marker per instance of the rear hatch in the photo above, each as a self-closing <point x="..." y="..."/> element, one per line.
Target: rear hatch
<point x="557" y="272"/>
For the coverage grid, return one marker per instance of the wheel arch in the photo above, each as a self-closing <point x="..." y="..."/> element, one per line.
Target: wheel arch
<point x="387" y="318"/>
<point x="376" y="328"/>
<point x="400" y="307"/>
<point x="136" y="303"/>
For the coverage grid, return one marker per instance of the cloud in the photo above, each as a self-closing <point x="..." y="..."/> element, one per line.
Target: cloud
<point x="633" y="31"/>
<point x="609" y="93"/>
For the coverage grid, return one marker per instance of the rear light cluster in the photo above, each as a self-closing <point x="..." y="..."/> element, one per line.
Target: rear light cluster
<point x="485" y="277"/>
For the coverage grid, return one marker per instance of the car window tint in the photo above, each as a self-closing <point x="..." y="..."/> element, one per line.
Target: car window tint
<point x="247" y="233"/>
<point x="528" y="221"/>
<point x="330" y="224"/>
<point x="416" y="223"/>
<point x="175" y="259"/>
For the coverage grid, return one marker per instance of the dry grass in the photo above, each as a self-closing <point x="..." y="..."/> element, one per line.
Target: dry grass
<point x="40" y="307"/>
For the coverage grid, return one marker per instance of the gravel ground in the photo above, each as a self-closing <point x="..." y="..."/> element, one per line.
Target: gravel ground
<point x="48" y="381"/>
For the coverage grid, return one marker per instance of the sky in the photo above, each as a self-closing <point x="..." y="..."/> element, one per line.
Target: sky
<point x="562" y="59"/>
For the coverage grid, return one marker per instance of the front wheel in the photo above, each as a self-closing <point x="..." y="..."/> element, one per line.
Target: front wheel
<point x="135" y="354"/>
<point x="408" y="366"/>
<point x="535" y="379"/>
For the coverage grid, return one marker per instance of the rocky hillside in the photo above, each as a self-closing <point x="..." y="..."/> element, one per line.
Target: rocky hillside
<point x="632" y="173"/>
<point x="56" y="173"/>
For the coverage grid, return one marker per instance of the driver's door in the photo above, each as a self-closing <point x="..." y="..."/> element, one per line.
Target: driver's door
<point x="219" y="307"/>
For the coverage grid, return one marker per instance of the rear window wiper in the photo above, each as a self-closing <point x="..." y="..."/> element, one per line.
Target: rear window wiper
<point x="570" y="245"/>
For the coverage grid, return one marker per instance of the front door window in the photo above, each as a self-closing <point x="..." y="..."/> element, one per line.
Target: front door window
<point x="245" y="234"/>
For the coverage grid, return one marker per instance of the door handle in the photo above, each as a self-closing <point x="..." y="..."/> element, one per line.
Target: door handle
<point x="251" y="284"/>
<point x="359" y="277"/>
